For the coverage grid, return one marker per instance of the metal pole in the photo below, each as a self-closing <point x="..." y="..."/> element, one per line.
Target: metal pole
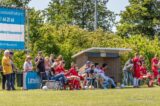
<point x="95" y="16"/>
<point x="27" y="16"/>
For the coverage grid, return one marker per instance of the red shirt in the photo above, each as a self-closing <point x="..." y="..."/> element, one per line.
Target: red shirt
<point x="154" y="61"/>
<point x="72" y="71"/>
<point x="143" y="70"/>
<point x="59" y="70"/>
<point x="136" y="62"/>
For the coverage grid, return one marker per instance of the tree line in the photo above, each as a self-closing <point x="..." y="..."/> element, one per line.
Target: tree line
<point x="66" y="27"/>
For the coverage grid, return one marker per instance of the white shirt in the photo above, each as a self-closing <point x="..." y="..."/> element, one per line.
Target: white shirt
<point x="28" y="66"/>
<point x="98" y="71"/>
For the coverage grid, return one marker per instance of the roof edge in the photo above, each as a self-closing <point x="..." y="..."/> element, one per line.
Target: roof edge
<point x="119" y="50"/>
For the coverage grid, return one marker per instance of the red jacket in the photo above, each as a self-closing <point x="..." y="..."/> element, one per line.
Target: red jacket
<point x="72" y="71"/>
<point x="154" y="61"/>
<point x="143" y="70"/>
<point x="59" y="70"/>
<point x="136" y="62"/>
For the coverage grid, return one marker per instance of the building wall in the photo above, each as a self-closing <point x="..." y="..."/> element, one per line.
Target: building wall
<point x="81" y="60"/>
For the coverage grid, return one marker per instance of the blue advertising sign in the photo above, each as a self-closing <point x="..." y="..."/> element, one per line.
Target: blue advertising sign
<point x="12" y="28"/>
<point x="31" y="80"/>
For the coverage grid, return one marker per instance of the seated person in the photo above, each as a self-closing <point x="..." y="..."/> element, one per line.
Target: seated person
<point x="107" y="81"/>
<point x="73" y="77"/>
<point x="60" y="68"/>
<point x="98" y="71"/>
<point x="88" y="67"/>
<point x="91" y="76"/>
<point x="72" y="73"/>
<point x="59" y="73"/>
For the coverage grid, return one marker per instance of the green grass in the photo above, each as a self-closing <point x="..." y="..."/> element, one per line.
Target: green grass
<point x="111" y="97"/>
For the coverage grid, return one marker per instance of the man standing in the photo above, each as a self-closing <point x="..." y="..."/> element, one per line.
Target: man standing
<point x="128" y="72"/>
<point x="39" y="61"/>
<point x="137" y="64"/>
<point x="14" y="69"/>
<point x="7" y="69"/>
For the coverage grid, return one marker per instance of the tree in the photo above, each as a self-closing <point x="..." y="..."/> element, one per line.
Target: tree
<point x="36" y="21"/>
<point x="140" y="17"/>
<point x="57" y="13"/>
<point x="79" y="12"/>
<point x="16" y="3"/>
<point x="46" y="41"/>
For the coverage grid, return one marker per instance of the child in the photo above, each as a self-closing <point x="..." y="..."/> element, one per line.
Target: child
<point x="143" y="71"/>
<point x="91" y="77"/>
<point x="150" y="79"/>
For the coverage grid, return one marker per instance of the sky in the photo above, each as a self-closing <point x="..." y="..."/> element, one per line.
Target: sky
<point x="114" y="5"/>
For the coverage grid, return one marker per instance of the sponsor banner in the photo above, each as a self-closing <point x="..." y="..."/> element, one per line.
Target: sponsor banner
<point x="12" y="28"/>
<point x="31" y="80"/>
<point x="12" y="16"/>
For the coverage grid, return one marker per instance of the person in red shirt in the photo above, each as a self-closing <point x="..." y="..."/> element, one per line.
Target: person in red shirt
<point x="60" y="74"/>
<point x="60" y="68"/>
<point x="143" y="71"/>
<point x="137" y="64"/>
<point x="72" y="73"/>
<point x="151" y="79"/>
<point x="73" y="77"/>
<point x="154" y="63"/>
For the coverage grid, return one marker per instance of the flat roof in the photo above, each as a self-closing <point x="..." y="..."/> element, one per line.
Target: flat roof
<point x="103" y="50"/>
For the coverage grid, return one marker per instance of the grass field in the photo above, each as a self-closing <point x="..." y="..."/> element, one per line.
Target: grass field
<point x="114" y="97"/>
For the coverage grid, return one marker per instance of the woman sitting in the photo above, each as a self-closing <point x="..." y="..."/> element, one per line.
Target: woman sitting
<point x="59" y="72"/>
<point x="73" y="77"/>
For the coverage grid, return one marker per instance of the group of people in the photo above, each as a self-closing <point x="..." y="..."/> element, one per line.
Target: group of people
<point x="135" y="71"/>
<point x="51" y="68"/>
<point x="93" y="76"/>
<point x="8" y="70"/>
